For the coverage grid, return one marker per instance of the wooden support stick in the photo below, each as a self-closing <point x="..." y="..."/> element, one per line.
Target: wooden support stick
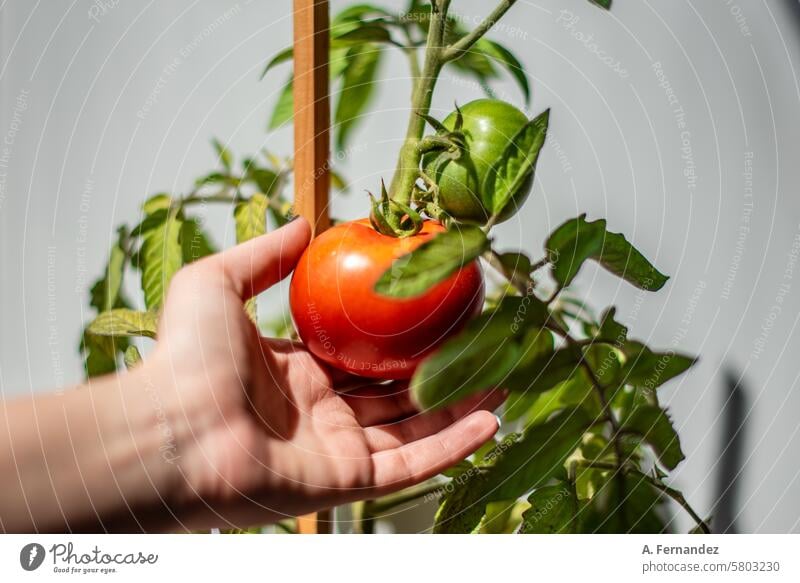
<point x="312" y="116"/>
<point x="311" y="144"/>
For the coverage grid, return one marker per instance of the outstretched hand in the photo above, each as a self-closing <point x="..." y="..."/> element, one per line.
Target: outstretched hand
<point x="264" y="429"/>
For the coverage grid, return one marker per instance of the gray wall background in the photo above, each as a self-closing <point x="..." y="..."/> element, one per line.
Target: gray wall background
<point x="705" y="185"/>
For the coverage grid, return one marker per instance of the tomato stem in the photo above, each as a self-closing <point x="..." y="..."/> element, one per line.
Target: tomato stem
<point x="437" y="54"/>
<point x="407" y="171"/>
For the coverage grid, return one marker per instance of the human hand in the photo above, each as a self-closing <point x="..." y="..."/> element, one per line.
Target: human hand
<point x="263" y="429"/>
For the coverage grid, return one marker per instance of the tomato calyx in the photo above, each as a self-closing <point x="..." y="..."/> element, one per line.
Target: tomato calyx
<point x="392" y="217"/>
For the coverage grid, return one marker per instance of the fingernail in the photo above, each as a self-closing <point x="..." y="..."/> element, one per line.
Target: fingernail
<point x="499" y="421"/>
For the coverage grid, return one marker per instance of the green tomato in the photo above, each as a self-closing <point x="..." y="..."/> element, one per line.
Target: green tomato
<point x="489" y="125"/>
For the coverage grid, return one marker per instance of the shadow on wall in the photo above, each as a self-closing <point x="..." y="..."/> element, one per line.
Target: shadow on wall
<point x="731" y="457"/>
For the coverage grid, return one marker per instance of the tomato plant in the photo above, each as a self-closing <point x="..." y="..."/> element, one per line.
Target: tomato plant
<point x="588" y="444"/>
<point x="345" y="322"/>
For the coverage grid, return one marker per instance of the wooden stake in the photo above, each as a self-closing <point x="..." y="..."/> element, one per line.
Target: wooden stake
<point x="311" y="144"/>
<point x="311" y="112"/>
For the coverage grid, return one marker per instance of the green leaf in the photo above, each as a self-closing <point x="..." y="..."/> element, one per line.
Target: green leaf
<point x="606" y="361"/>
<point x="267" y="181"/>
<point x="284" y="108"/>
<point x="100" y="353"/>
<point x="655" y="427"/>
<point x="635" y="509"/>
<point x="161" y="254"/>
<point x="602" y="3"/>
<point x="365" y="32"/>
<point x="578" y="240"/>
<point x="338" y="182"/>
<point x="251" y="217"/>
<point x="538" y="455"/>
<point x="554" y="510"/>
<point x="575" y="391"/>
<point x="506" y="58"/>
<point x="458" y="469"/>
<point x="157" y="202"/>
<point x="499" y="518"/>
<point x="358" y="87"/>
<point x="124" y="322"/>
<point x="195" y="242"/>
<point x="610" y="330"/>
<point x="476" y="359"/>
<point x="132" y="357"/>
<point x="516" y="467"/>
<point x="544" y="372"/>
<point x="282" y="57"/>
<point x="225" y="157"/>
<point x="648" y="369"/>
<point x="461" y="509"/>
<point x="114" y="272"/>
<point x="432" y="262"/>
<point x="515" y="263"/>
<point x="516" y="164"/>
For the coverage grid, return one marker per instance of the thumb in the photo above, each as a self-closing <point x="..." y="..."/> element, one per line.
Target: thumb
<point x="259" y="263"/>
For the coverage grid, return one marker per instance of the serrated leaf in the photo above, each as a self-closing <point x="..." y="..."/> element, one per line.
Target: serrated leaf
<point x="195" y="242"/>
<point x="538" y="455"/>
<point x="161" y="255"/>
<point x="610" y="330"/>
<point x="132" y="357"/>
<point x="517" y="466"/>
<point x="124" y="322"/>
<point x="516" y="164"/>
<point x="251" y="217"/>
<point x="506" y="58"/>
<point x="476" y="359"/>
<point x="655" y="427"/>
<point x="648" y="369"/>
<point x="433" y="261"/>
<point x="577" y="240"/>
<point x="358" y="87"/>
<point x="554" y="510"/>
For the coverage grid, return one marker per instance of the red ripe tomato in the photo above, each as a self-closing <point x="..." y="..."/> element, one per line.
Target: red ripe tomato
<point x="345" y="323"/>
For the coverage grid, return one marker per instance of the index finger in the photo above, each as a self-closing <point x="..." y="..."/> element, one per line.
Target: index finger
<point x="417" y="461"/>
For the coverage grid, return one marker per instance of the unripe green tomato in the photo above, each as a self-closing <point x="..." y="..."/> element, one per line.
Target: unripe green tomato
<point x="489" y="125"/>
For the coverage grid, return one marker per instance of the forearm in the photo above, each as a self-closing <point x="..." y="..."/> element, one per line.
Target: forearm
<point x="100" y="456"/>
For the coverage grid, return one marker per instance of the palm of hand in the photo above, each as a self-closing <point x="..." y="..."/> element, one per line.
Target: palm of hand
<point x="274" y="433"/>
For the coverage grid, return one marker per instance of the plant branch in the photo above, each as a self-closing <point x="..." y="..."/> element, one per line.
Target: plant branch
<point x="463" y="44"/>
<point x="406" y="174"/>
<point x="676" y="495"/>
<point x="380" y="506"/>
<point x="524" y="284"/>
